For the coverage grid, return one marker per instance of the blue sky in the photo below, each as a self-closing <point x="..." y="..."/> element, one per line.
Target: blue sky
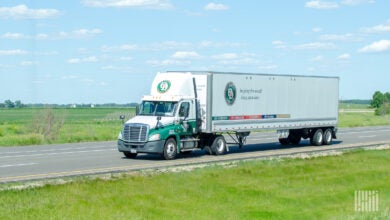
<point x="95" y="51"/>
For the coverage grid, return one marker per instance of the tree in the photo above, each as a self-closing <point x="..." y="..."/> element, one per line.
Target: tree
<point x="378" y="99"/>
<point x="18" y="104"/>
<point x="9" y="104"/>
<point x="387" y="95"/>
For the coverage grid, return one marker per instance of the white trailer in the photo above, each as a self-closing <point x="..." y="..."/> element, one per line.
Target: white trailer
<point x="192" y="110"/>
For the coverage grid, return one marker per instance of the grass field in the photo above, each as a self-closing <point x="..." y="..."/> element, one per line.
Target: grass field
<point x="33" y="126"/>
<point x="43" y="126"/>
<point x="317" y="188"/>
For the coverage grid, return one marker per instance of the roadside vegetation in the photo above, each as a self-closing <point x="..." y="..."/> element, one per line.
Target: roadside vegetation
<point x="314" y="188"/>
<point x="34" y="126"/>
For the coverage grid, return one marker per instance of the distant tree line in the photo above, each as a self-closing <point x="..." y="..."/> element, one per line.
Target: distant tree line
<point x="381" y="103"/>
<point x="357" y="101"/>
<point x="18" y="104"/>
<point x="10" y="104"/>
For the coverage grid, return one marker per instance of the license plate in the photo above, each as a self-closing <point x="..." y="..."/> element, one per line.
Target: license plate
<point x="133" y="151"/>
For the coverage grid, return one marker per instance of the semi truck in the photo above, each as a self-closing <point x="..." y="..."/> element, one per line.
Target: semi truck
<point x="186" y="111"/>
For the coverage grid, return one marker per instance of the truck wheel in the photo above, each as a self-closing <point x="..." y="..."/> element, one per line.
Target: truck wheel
<point x="294" y="138"/>
<point x="284" y="141"/>
<point x="129" y="155"/>
<point x="328" y="136"/>
<point x="219" y="145"/>
<point x="317" y="138"/>
<point x="170" y="149"/>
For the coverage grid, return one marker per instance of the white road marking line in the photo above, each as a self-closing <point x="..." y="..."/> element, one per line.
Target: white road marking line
<point x="367" y="136"/>
<point x="54" y="149"/>
<point x="60" y="153"/>
<point x="17" y="165"/>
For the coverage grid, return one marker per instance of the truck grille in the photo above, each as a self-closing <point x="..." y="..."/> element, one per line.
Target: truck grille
<point x="135" y="132"/>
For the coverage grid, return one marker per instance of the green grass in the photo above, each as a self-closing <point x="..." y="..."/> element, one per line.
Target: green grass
<point x="361" y="119"/>
<point x="28" y="126"/>
<point x="320" y="188"/>
<point x="353" y="106"/>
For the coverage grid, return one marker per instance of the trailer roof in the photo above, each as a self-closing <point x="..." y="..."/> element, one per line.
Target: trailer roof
<point x="257" y="74"/>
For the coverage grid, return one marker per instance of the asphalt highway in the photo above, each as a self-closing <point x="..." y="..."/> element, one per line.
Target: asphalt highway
<point x="63" y="160"/>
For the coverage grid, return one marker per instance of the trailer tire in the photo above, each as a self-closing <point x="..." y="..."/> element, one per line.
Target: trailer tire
<point x="129" y="155"/>
<point x="294" y="138"/>
<point x="284" y="141"/>
<point x="317" y="137"/>
<point x="219" y="145"/>
<point x="170" y="149"/>
<point x="328" y="136"/>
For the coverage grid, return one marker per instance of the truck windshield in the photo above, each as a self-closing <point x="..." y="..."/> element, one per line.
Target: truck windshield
<point x="158" y="108"/>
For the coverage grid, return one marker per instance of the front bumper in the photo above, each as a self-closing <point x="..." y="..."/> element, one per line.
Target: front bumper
<point x="152" y="147"/>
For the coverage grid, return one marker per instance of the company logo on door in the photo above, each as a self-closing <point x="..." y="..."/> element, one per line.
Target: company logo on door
<point x="230" y="93"/>
<point x="163" y="86"/>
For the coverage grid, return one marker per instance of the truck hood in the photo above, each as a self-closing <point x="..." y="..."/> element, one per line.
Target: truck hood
<point x="151" y="120"/>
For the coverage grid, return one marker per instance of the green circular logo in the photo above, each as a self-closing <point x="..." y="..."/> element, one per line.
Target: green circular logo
<point x="163" y="86"/>
<point x="230" y="93"/>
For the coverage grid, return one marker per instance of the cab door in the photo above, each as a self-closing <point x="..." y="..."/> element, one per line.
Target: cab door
<point x="186" y="116"/>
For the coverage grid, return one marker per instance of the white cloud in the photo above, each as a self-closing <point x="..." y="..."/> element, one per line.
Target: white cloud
<point x="70" y="77"/>
<point x="215" y="7"/>
<point x="381" y="28"/>
<point x="185" y="55"/>
<point x="74" y="60"/>
<point x="344" y="56"/>
<point x="356" y="2"/>
<point x="151" y="4"/>
<point x="317" y="29"/>
<point x="316" y="4"/>
<point x="341" y="37"/>
<point x="225" y="56"/>
<point x="91" y="59"/>
<point x="279" y="44"/>
<point x="236" y="59"/>
<point x="126" y="58"/>
<point x="317" y="58"/>
<point x="123" y="47"/>
<point x="268" y="67"/>
<point x="212" y="44"/>
<point x="13" y="36"/>
<point x="376" y="47"/>
<point x="314" y="46"/>
<point x="23" y="12"/>
<point x="75" y="34"/>
<point x="168" y="62"/>
<point x="13" y="52"/>
<point x="28" y="63"/>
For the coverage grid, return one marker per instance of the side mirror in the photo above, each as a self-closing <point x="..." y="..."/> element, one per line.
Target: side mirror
<point x="137" y="108"/>
<point x="122" y="117"/>
<point x="158" y="124"/>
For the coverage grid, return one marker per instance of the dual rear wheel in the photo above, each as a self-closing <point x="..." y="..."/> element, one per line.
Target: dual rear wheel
<point x="317" y="137"/>
<point x="320" y="137"/>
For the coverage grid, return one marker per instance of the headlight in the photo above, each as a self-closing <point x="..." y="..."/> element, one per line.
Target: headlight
<point x="154" y="137"/>
<point x="120" y="135"/>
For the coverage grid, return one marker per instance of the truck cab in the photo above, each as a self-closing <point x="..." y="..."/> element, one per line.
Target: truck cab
<point x="166" y="121"/>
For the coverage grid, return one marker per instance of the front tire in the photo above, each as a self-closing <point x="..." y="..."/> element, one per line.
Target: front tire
<point x="317" y="138"/>
<point x="219" y="145"/>
<point x="170" y="149"/>
<point x="284" y="141"/>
